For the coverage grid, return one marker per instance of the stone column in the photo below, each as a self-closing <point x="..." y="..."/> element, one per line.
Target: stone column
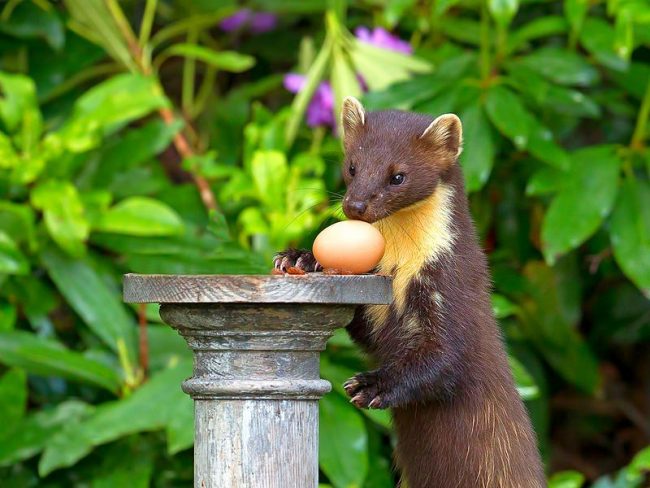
<point x="256" y="383"/>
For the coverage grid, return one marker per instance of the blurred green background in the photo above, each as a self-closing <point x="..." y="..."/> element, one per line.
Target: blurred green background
<point x="199" y="136"/>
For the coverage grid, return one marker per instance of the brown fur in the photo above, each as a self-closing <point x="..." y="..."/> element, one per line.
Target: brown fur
<point x="442" y="368"/>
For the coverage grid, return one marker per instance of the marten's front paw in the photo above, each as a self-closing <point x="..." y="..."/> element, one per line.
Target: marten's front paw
<point x="367" y="390"/>
<point x="295" y="259"/>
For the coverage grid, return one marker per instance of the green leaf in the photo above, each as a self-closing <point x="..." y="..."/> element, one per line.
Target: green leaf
<point x="630" y="232"/>
<point x="634" y="80"/>
<point x="180" y="428"/>
<point x="478" y="153"/>
<point x="525" y="383"/>
<point x="549" y="25"/>
<point x="561" y="66"/>
<point x="367" y="58"/>
<point x="542" y="146"/>
<point x="13" y="398"/>
<point x="8" y="315"/>
<point x="585" y="199"/>
<point x="441" y="6"/>
<point x="8" y="157"/>
<point x="269" y="169"/>
<point x="545" y="180"/>
<point x="93" y="20"/>
<point x="140" y="216"/>
<point x="28" y="21"/>
<point x="128" y="462"/>
<point x="395" y="9"/>
<point x="300" y="102"/>
<point x="575" y="12"/>
<point x="462" y="29"/>
<point x="549" y="321"/>
<point x="638" y="469"/>
<point x="508" y="114"/>
<point x="502" y="307"/>
<point x="100" y="307"/>
<point x="63" y="213"/>
<point x="18" y="104"/>
<point x="28" y="437"/>
<point x="551" y="96"/>
<point x="404" y="95"/>
<point x="108" y="106"/>
<point x="344" y="82"/>
<point x="12" y="260"/>
<point x="223" y="60"/>
<point x="503" y="11"/>
<point x="114" y="420"/>
<point x="343" y="442"/>
<point x="45" y="357"/>
<point x="598" y="37"/>
<point x="135" y="148"/>
<point x="17" y="220"/>
<point x="566" y="479"/>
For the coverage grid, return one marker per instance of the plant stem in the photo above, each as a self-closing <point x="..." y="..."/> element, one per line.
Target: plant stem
<point x="638" y="136"/>
<point x="189" y="74"/>
<point x="125" y="28"/>
<point x="147" y="22"/>
<point x="203" y="95"/>
<point x="181" y="143"/>
<point x="8" y="9"/>
<point x="502" y="45"/>
<point x="185" y="150"/>
<point x="143" y="339"/>
<point x="317" y="139"/>
<point x="485" y="43"/>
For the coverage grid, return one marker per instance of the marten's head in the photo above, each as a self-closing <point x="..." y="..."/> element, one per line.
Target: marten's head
<point x="394" y="159"/>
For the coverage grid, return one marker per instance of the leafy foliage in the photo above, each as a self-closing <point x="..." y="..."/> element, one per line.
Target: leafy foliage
<point x="148" y="137"/>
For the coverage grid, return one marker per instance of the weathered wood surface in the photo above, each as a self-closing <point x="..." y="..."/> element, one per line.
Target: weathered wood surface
<point x="256" y="382"/>
<point x="256" y="444"/>
<point x="308" y="288"/>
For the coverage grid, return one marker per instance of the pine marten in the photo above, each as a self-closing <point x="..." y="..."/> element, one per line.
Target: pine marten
<point x="443" y="370"/>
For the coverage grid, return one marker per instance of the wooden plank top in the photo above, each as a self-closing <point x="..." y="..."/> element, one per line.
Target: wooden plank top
<point x="308" y="288"/>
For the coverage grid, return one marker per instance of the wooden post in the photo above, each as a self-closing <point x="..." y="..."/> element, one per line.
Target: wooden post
<point x="256" y="381"/>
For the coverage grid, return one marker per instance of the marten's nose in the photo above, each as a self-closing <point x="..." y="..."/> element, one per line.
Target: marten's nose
<point x="357" y="208"/>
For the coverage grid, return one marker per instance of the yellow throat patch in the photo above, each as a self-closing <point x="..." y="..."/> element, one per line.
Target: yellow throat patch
<point x="414" y="236"/>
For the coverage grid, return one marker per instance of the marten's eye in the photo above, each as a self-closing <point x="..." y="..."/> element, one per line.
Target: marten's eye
<point x="352" y="170"/>
<point x="397" y="179"/>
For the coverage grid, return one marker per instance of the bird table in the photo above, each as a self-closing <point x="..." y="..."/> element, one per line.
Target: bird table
<point x="256" y="341"/>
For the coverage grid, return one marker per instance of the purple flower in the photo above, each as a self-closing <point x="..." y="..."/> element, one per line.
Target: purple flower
<point x="263" y="22"/>
<point x="320" y="110"/>
<point x="321" y="107"/>
<point x="382" y="38"/>
<point x="235" y="21"/>
<point x="294" y="82"/>
<point x="259" y="22"/>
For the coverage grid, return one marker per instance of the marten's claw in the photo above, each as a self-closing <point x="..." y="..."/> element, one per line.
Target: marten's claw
<point x="293" y="260"/>
<point x="351" y="386"/>
<point x="376" y="403"/>
<point x="366" y="391"/>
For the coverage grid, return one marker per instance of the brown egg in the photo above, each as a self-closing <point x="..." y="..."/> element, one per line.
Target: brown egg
<point x="350" y="246"/>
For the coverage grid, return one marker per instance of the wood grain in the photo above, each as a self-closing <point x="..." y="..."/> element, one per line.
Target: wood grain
<point x="308" y="288"/>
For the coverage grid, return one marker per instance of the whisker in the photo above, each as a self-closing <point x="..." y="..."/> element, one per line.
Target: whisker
<point x="334" y="193"/>
<point x="311" y="207"/>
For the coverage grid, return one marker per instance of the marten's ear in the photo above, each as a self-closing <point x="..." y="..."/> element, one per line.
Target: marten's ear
<point x="353" y="116"/>
<point x="445" y="132"/>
